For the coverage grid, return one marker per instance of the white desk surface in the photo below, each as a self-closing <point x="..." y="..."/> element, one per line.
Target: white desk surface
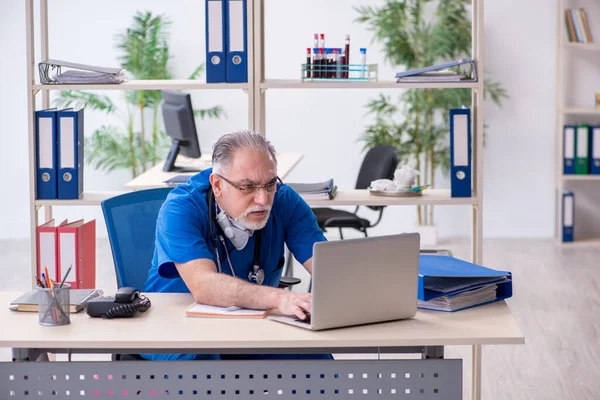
<point x="165" y="326"/>
<point x="155" y="176"/>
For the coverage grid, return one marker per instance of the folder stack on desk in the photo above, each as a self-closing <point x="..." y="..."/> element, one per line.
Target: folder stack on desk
<point x="450" y="284"/>
<point x="315" y="191"/>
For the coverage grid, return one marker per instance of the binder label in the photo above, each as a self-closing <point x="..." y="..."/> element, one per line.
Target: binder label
<point x="215" y="27"/>
<point x="596" y="148"/>
<point x="461" y="141"/>
<point x="569" y="143"/>
<point x="582" y="142"/>
<point x="568" y="212"/>
<point x="236" y="26"/>
<point x="46" y="147"/>
<point x="67" y="142"/>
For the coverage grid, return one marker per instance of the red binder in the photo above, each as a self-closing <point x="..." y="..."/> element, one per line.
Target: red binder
<point x="77" y="248"/>
<point x="47" y="248"/>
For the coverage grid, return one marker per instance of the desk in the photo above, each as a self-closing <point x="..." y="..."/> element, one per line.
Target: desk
<point x="164" y="328"/>
<point x="155" y="176"/>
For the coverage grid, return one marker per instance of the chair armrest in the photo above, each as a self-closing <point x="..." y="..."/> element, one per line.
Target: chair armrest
<point x="332" y="220"/>
<point x="287" y="281"/>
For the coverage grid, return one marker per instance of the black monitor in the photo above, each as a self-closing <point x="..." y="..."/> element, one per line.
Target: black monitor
<point x="178" y="116"/>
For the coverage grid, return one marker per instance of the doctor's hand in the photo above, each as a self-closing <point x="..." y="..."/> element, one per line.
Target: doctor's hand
<point x="297" y="304"/>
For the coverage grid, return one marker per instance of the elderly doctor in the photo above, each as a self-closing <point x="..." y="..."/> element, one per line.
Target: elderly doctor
<point x="221" y="235"/>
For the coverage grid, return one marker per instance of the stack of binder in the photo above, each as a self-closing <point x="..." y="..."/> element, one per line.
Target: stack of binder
<point x="68" y="245"/>
<point x="581" y="149"/>
<point x="315" y="191"/>
<point x="226" y="41"/>
<point x="450" y="284"/>
<point x="59" y="153"/>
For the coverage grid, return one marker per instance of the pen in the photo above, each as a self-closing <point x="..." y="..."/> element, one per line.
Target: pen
<point x="418" y="188"/>
<point x="39" y="283"/>
<point x="65" y="277"/>
<point x="43" y="280"/>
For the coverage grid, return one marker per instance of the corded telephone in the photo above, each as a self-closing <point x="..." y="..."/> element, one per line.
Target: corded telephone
<point x="123" y="304"/>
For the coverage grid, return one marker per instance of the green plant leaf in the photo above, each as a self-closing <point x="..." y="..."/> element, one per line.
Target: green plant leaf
<point x="77" y="99"/>
<point x="210" y="113"/>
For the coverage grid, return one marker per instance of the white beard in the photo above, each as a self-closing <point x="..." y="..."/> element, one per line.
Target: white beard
<point x="242" y="220"/>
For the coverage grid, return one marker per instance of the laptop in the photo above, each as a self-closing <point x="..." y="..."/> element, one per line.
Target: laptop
<point x="362" y="281"/>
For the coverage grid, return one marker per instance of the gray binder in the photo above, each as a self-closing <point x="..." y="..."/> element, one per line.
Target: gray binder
<point x="78" y="73"/>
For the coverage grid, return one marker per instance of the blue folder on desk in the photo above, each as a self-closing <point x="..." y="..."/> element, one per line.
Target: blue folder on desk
<point x="450" y="284"/>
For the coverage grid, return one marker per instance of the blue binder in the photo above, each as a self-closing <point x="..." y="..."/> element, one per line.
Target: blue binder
<point x="45" y="154"/>
<point x="448" y="276"/>
<point x="460" y="152"/>
<point x="216" y="43"/>
<point x="237" y="41"/>
<point x="569" y="150"/>
<point x="568" y="216"/>
<point x="70" y="154"/>
<point x="595" y="150"/>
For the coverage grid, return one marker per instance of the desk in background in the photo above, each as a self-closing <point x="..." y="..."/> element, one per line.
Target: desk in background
<point x="155" y="176"/>
<point x="165" y="329"/>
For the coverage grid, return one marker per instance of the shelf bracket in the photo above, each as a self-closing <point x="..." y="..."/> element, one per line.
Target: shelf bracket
<point x="36" y="91"/>
<point x="263" y="90"/>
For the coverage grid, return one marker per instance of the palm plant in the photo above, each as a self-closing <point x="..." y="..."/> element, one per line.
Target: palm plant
<point x="420" y="33"/>
<point x="144" y="54"/>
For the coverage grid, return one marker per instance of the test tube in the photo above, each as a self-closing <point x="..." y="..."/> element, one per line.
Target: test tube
<point x="335" y="64"/>
<point x="347" y="56"/>
<point x="307" y="71"/>
<point x="322" y="63"/>
<point x="322" y="40"/>
<point x="339" y="61"/>
<point x="363" y="61"/>
<point x="316" y="40"/>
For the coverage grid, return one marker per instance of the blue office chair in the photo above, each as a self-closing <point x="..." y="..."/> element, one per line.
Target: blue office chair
<point x="131" y="224"/>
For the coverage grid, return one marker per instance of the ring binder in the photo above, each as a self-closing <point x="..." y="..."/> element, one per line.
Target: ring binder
<point x="79" y="73"/>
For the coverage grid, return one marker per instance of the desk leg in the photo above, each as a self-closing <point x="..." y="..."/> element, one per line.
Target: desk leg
<point x="476" y="372"/>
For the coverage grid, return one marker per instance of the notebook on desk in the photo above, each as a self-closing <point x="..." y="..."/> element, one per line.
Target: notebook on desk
<point x="78" y="297"/>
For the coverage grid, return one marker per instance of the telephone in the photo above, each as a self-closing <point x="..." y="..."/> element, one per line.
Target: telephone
<point x="123" y="304"/>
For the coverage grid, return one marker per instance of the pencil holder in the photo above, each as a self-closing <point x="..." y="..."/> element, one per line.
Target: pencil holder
<point x="54" y="305"/>
<point x="339" y="72"/>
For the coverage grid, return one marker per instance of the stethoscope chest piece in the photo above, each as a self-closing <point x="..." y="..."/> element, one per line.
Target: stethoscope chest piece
<point x="257" y="275"/>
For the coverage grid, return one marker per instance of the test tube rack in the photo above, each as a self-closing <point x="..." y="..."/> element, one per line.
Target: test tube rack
<point x="339" y="72"/>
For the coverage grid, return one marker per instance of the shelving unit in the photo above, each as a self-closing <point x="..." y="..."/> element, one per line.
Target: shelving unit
<point x="256" y="89"/>
<point x="434" y="197"/>
<point x="566" y="114"/>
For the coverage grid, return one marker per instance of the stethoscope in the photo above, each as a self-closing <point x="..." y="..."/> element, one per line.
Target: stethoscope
<point x="257" y="274"/>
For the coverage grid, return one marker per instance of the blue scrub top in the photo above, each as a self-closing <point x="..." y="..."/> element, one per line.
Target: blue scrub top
<point x="183" y="234"/>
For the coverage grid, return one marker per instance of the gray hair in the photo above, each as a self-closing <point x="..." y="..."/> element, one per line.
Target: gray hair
<point x="227" y="145"/>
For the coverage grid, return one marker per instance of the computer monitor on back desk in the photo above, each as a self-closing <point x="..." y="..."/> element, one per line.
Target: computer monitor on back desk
<point x="180" y="126"/>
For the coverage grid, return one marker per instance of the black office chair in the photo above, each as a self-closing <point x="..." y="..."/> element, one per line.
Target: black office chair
<point x="379" y="163"/>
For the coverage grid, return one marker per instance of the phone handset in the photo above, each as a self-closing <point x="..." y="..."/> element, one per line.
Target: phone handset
<point x="124" y="304"/>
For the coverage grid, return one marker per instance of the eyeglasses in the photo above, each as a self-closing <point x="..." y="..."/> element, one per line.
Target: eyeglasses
<point x="253" y="189"/>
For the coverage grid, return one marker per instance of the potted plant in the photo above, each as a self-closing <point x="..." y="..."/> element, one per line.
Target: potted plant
<point x="420" y="33"/>
<point x="144" y="53"/>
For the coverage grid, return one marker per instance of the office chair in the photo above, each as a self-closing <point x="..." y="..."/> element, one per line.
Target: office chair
<point x="379" y="163"/>
<point x="131" y="224"/>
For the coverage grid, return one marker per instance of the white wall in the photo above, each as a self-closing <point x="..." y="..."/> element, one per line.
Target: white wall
<point x="519" y="154"/>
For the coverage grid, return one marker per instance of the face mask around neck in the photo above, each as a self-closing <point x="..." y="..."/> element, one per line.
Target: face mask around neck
<point x="238" y="235"/>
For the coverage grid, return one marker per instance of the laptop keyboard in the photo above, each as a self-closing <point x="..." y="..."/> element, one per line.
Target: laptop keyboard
<point x="304" y="321"/>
